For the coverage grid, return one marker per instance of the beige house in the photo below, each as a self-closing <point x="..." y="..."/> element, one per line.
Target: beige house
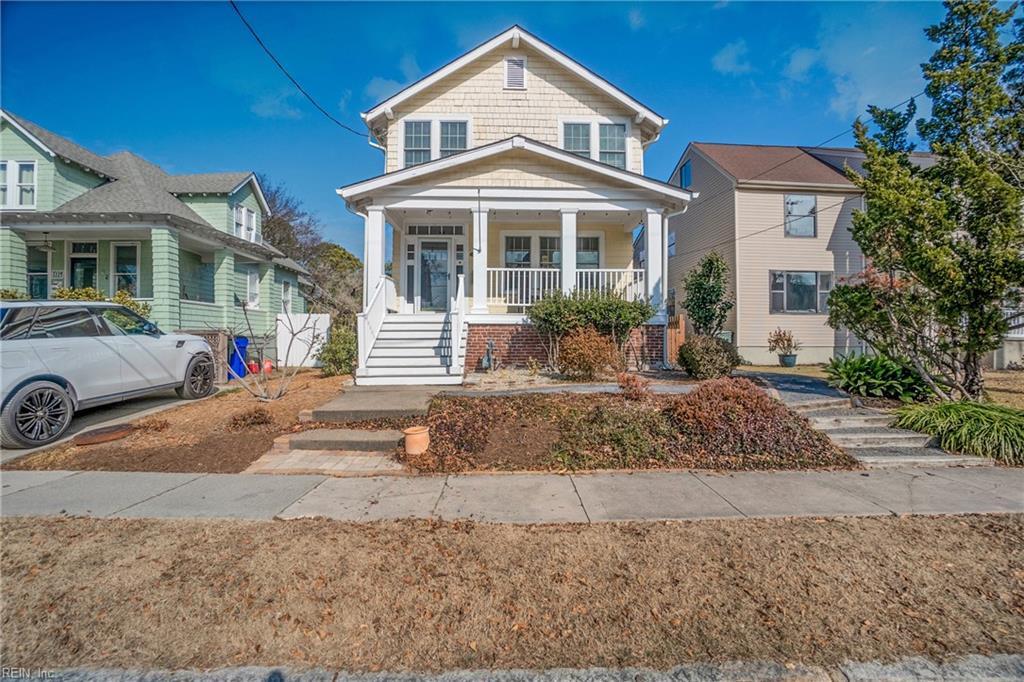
<point x="781" y="218"/>
<point x="511" y="172"/>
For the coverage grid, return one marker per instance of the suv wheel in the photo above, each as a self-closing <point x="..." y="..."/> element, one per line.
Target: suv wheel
<point x="37" y="414"/>
<point x="198" y="379"/>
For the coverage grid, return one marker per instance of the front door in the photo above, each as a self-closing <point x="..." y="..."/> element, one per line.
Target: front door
<point x="435" y="274"/>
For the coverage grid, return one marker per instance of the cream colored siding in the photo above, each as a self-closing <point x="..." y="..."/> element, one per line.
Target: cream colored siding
<point x="477" y="91"/>
<point x="707" y="225"/>
<point x="520" y="169"/>
<point x="762" y="249"/>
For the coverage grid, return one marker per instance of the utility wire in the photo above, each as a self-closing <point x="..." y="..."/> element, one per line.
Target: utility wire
<point x="290" y="77"/>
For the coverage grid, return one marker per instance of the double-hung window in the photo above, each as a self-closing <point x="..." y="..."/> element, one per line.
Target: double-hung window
<point x="125" y="270"/>
<point x="800" y="215"/>
<point x="799" y="292"/>
<point x="576" y="138"/>
<point x="588" y="253"/>
<point x="239" y="229"/>
<point x="250" y="225"/>
<point x="252" y="287"/>
<point x="613" y="144"/>
<point x="453" y="137"/>
<point x="417" y="142"/>
<point x="37" y="267"/>
<point x="551" y="252"/>
<point x="17" y="184"/>
<point x="517" y="252"/>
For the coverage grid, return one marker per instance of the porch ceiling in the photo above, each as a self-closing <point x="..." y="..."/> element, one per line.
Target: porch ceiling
<point x="545" y="218"/>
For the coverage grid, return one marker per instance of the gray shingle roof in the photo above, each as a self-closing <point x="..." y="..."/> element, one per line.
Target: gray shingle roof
<point x="214" y="183"/>
<point x="61" y="146"/>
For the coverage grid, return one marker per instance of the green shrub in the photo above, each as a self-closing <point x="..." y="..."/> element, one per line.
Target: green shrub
<point x="875" y="376"/>
<point x="735" y="420"/>
<point x="708" y="357"/>
<point x="707" y="301"/>
<point x="587" y="354"/>
<point x="557" y="314"/>
<point x="340" y="351"/>
<point x="620" y="436"/>
<point x="979" y="429"/>
<point x="89" y="294"/>
<point x="12" y="295"/>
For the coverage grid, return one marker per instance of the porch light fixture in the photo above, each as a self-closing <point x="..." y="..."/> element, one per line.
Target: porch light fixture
<point x="47" y="247"/>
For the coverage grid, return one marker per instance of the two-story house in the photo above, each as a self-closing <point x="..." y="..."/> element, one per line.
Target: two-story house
<point x="190" y="245"/>
<point x="511" y="172"/>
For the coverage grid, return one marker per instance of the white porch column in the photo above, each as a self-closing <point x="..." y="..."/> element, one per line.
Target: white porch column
<point x="373" y="250"/>
<point x="654" y="247"/>
<point x="568" y="249"/>
<point x="479" y="260"/>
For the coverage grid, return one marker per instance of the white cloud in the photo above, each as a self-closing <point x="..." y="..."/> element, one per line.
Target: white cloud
<point x="800" y="62"/>
<point x="732" y="59"/>
<point x="276" y="105"/>
<point x="637" y="20"/>
<point x="380" y="88"/>
<point x="344" y="99"/>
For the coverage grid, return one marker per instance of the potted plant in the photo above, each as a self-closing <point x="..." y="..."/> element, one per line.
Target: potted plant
<point x="781" y="341"/>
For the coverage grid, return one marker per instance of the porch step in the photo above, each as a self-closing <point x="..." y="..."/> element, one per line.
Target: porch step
<point x="418" y="371"/>
<point x="436" y="327"/>
<point x="434" y="342"/>
<point x="409" y="351"/>
<point x="415" y="317"/>
<point x="814" y="405"/>
<point x="388" y="334"/>
<point x="346" y="439"/>
<point x="409" y="381"/>
<point x="407" y="361"/>
<point x="839" y="417"/>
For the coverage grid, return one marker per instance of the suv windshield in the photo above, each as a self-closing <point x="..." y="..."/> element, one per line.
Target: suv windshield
<point x="122" y="320"/>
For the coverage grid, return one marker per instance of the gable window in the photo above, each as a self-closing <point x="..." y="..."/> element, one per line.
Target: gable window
<point x="250" y="225"/>
<point x="550" y="252"/>
<point x="686" y="175"/>
<point x="17" y="184"/>
<point x="517" y="252"/>
<point x="799" y="292"/>
<point x="588" y="253"/>
<point x="124" y="271"/>
<point x="576" y="138"/>
<point x="239" y="229"/>
<point x="453" y="137"/>
<point x="800" y="215"/>
<point x="515" y="73"/>
<point x="417" y="142"/>
<point x="252" y="286"/>
<point x="613" y="144"/>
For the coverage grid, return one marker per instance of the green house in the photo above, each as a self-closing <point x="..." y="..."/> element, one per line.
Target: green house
<point x="190" y="245"/>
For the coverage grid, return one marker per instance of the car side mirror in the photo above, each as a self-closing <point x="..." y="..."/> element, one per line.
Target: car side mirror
<point x="150" y="329"/>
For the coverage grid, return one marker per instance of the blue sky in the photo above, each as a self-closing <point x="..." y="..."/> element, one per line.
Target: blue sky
<point x="184" y="85"/>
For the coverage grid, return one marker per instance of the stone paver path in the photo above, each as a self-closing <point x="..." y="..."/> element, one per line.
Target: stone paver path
<point x="516" y="498"/>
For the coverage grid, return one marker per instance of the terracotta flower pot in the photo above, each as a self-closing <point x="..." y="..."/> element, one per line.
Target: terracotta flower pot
<point x="417" y="439"/>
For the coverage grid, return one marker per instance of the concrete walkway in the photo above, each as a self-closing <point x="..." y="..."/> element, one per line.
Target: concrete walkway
<point x="516" y="498"/>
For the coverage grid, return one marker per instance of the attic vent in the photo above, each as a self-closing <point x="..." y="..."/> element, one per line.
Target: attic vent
<point x="515" y="73"/>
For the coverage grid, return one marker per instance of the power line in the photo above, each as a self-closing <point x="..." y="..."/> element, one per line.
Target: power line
<point x="290" y="77"/>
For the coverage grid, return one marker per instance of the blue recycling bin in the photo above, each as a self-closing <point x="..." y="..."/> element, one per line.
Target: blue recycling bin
<point x="236" y="361"/>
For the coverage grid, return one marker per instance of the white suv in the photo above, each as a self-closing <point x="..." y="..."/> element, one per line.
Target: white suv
<point x="57" y="357"/>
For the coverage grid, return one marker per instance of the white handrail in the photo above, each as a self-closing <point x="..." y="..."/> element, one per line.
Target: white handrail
<point x="456" y="318"/>
<point x="627" y="282"/>
<point x="521" y="287"/>
<point x="371" y="320"/>
<point x="390" y="294"/>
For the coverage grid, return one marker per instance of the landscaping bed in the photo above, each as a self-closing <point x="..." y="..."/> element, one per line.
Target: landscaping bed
<point x="432" y="596"/>
<point x="724" y="424"/>
<point x="224" y="434"/>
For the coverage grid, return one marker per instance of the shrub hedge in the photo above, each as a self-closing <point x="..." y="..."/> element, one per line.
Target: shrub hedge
<point x="339" y="353"/>
<point x="587" y="354"/>
<point x="876" y="376"/>
<point x="979" y="429"/>
<point x="708" y="357"/>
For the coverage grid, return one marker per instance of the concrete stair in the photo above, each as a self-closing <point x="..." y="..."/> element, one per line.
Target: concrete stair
<point x="345" y="439"/>
<point x="358" y="403"/>
<point x="412" y="350"/>
<point x="865" y="433"/>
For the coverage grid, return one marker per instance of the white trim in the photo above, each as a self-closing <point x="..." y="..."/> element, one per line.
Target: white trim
<point x="21" y="129"/>
<point x="435" y="121"/>
<point x="112" y="275"/>
<point x="512" y="34"/>
<point x="505" y="60"/>
<point x="518" y="142"/>
<point x="68" y="256"/>
<point x="259" y="191"/>
<point x="13" y="166"/>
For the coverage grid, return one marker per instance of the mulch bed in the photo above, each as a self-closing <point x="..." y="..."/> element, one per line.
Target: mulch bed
<point x="432" y="596"/>
<point x="224" y="434"/>
<point x="727" y="424"/>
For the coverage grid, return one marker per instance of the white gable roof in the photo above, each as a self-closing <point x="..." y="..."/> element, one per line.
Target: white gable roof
<point x="519" y="142"/>
<point x="517" y="35"/>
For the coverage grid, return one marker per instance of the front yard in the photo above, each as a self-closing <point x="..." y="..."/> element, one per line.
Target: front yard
<point x="224" y="434"/>
<point x="432" y="596"/>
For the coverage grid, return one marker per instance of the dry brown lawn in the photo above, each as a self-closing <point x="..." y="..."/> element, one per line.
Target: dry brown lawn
<point x="1006" y="387"/>
<point x="207" y="436"/>
<point x="816" y="371"/>
<point x="434" y="596"/>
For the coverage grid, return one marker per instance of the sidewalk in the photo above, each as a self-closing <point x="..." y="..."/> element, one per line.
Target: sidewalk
<point x="516" y="498"/>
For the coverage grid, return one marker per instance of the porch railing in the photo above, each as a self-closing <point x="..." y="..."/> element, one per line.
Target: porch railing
<point x="521" y="287"/>
<point x="372" y="319"/>
<point x="628" y="282"/>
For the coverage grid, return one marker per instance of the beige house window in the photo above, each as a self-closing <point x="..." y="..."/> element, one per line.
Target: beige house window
<point x="799" y="292"/>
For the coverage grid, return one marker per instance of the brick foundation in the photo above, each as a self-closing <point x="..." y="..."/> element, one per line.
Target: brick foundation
<point x="515" y="344"/>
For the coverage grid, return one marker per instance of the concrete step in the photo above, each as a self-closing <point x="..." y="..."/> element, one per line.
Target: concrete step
<point x="448" y="380"/>
<point x="824" y="403"/>
<point x="345" y="439"/>
<point x="860" y="437"/>
<point x="358" y="403"/>
<point x="886" y="458"/>
<point x="847" y="419"/>
<point x="408" y="361"/>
